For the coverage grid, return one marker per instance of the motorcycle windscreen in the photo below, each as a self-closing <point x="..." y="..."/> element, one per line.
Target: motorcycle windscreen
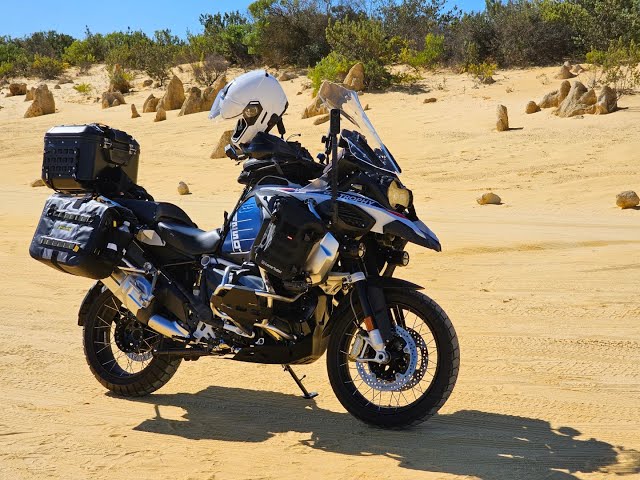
<point x="375" y="153"/>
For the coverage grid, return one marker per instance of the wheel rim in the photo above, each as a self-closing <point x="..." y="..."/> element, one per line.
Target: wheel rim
<point x="123" y="345"/>
<point x="412" y="369"/>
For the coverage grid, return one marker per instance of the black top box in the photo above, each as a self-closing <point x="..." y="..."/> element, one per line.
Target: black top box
<point x="79" y="158"/>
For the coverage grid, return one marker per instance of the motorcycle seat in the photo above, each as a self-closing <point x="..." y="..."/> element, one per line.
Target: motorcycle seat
<point x="150" y="213"/>
<point x="189" y="240"/>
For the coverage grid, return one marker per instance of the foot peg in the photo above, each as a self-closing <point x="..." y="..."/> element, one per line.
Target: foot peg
<point x="305" y="393"/>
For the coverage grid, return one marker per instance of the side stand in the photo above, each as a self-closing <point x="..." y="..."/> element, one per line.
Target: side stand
<point x="305" y="394"/>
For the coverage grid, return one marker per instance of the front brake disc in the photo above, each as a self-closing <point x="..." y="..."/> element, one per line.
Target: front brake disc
<point x="400" y="379"/>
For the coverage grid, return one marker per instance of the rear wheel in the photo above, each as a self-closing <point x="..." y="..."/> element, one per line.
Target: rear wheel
<point x="422" y="367"/>
<point x="119" y="350"/>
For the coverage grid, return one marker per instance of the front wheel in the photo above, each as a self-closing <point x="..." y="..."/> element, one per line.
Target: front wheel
<point x="120" y="350"/>
<point x="424" y="358"/>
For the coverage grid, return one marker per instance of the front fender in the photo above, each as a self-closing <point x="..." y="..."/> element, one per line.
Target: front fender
<point x="88" y="300"/>
<point x="376" y="287"/>
<point x="391" y="282"/>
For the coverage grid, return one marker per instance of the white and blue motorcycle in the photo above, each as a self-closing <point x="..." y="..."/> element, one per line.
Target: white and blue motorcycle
<point x="303" y="265"/>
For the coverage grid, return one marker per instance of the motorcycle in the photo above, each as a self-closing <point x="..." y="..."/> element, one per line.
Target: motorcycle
<point x="303" y="265"/>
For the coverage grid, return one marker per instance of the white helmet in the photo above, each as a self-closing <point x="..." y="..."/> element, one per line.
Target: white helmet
<point x="257" y="98"/>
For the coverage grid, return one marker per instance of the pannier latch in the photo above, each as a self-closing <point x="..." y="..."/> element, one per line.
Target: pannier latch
<point x="132" y="149"/>
<point x="107" y="144"/>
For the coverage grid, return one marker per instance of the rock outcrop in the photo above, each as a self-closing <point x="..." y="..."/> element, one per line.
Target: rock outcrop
<point x="112" y="99"/>
<point x="183" y="189"/>
<point x="17" y="89"/>
<point x="579" y="101"/>
<point x="29" y="95"/>
<point x="316" y="108"/>
<point x="577" y="69"/>
<point x="355" y="78"/>
<point x="150" y="104"/>
<point x="161" y="115"/>
<point x="532" y="107"/>
<point x="564" y="72"/>
<point x="430" y="100"/>
<point x="489" y="198"/>
<point x="38" y="182"/>
<point x="134" y="111"/>
<point x="607" y="101"/>
<point x="555" y="98"/>
<point x="322" y="119"/>
<point x="225" y="139"/>
<point x="502" y="122"/>
<point x="147" y="83"/>
<point x="628" y="199"/>
<point x="43" y="103"/>
<point x="193" y="103"/>
<point x="174" y="96"/>
<point x="210" y="93"/>
<point x="286" y="75"/>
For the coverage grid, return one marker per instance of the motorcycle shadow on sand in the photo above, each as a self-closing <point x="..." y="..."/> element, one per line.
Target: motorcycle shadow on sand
<point x="467" y="442"/>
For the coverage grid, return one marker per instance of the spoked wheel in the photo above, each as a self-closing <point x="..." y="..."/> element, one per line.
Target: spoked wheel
<point x="417" y="378"/>
<point x="119" y="350"/>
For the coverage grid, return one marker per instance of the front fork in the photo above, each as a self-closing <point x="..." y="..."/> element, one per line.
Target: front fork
<point x="376" y="320"/>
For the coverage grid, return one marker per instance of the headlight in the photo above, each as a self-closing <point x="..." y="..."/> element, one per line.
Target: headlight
<point x="398" y="196"/>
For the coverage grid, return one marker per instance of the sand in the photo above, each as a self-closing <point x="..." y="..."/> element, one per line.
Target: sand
<point x="544" y="292"/>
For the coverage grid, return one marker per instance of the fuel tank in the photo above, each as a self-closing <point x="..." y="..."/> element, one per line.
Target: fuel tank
<point x="243" y="230"/>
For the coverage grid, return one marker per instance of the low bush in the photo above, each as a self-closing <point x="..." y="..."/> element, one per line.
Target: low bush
<point x="618" y="67"/>
<point x="84" y="88"/>
<point x="46" y="67"/>
<point x="428" y="57"/>
<point x="7" y="69"/>
<point x="482" y="72"/>
<point x="79" y="54"/>
<point x="119" y="77"/>
<point x="333" y="67"/>
<point x="209" y="69"/>
<point x="364" y="40"/>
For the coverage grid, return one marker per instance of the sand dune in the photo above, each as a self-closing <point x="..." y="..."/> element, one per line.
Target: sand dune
<point x="543" y="291"/>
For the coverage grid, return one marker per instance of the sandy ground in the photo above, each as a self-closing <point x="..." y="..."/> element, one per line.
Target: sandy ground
<point x="543" y="291"/>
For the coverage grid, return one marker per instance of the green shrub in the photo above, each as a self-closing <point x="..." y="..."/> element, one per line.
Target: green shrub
<point x="119" y="77"/>
<point x="227" y="35"/>
<point x="482" y="72"/>
<point x="79" y="54"/>
<point x="84" y="88"/>
<point x="596" y="23"/>
<point x="333" y="67"/>
<point x="45" y="44"/>
<point x="46" y="67"/>
<point x="157" y="62"/>
<point x="288" y="32"/>
<point x="618" y="66"/>
<point x="428" y="57"/>
<point x="376" y="76"/>
<point x="364" y="40"/>
<point x="7" y="69"/>
<point x="209" y="69"/>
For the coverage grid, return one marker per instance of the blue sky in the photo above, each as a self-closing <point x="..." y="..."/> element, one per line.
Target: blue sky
<point x="71" y="16"/>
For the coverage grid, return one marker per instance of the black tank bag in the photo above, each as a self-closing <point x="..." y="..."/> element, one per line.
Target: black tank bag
<point x="82" y="236"/>
<point x="288" y="239"/>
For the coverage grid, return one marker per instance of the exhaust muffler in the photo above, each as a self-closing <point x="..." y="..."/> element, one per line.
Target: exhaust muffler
<point x="136" y="294"/>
